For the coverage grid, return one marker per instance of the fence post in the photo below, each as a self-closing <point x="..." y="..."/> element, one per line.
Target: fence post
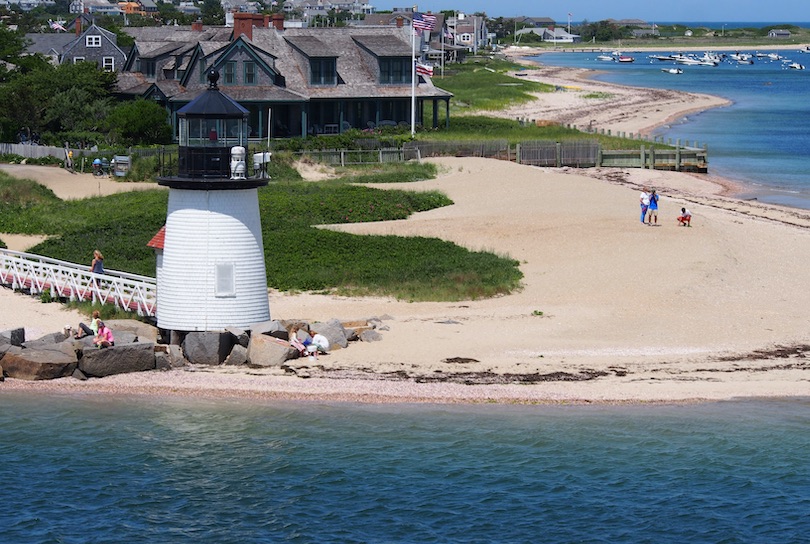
<point x="643" y="159"/>
<point x="652" y="158"/>
<point x="599" y="155"/>
<point x="517" y="153"/>
<point x="342" y="157"/>
<point x="678" y="157"/>
<point x="558" y="152"/>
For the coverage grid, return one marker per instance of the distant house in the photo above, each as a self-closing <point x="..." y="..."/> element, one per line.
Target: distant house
<point x="293" y="81"/>
<point x="92" y="45"/>
<point x="779" y="33"/>
<point x="554" y="35"/>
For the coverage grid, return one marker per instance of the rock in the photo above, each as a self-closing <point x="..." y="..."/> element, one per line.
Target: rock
<point x="176" y="359"/>
<point x="144" y="332"/>
<point x="162" y="361"/>
<point x="272" y="328"/>
<point x="207" y="348"/>
<point x="370" y="336"/>
<point x="38" y="364"/>
<point x="265" y="351"/>
<point x="238" y="356"/>
<point x="2" y="375"/>
<point x="122" y="359"/>
<point x="333" y="331"/>
<point x="48" y="339"/>
<point x="79" y="375"/>
<point x="125" y="337"/>
<point x="241" y="337"/>
<point x="13" y="337"/>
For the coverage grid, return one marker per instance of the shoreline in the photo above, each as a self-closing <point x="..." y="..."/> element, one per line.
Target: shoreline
<point x="743" y="333"/>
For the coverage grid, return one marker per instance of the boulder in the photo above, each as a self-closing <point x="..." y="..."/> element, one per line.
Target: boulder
<point x="125" y="337"/>
<point x="272" y="328"/>
<point x="207" y="348"/>
<point x="238" y="356"/>
<point x="267" y="351"/>
<point x="13" y="337"/>
<point x="118" y="359"/>
<point x="176" y="358"/>
<point x="79" y="375"/>
<point x="162" y="361"/>
<point x="48" y="339"/>
<point x="370" y="336"/>
<point x="240" y="336"/>
<point x="144" y="332"/>
<point x="333" y="331"/>
<point x="38" y="364"/>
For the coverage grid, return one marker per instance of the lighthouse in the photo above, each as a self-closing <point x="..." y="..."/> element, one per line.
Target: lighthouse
<point x="211" y="271"/>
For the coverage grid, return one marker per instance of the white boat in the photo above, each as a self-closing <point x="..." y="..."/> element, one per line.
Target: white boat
<point x="805" y="50"/>
<point x="626" y="58"/>
<point x="774" y="56"/>
<point x="662" y="58"/>
<point x="672" y="70"/>
<point x="796" y="66"/>
<point x="605" y="58"/>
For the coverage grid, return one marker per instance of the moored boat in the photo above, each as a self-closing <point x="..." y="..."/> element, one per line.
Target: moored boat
<point x="672" y="70"/>
<point x="626" y="58"/>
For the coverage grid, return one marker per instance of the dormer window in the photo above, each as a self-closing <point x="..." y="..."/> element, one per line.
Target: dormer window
<point x="395" y="70"/>
<point x="323" y="71"/>
<point x="93" y="41"/>
<point x="229" y="73"/>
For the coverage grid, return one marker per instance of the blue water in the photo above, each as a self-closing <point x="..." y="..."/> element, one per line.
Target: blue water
<point x="761" y="140"/>
<point x="97" y="468"/>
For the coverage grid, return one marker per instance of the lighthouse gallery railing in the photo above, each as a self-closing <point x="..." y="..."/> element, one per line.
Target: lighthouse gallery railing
<point x="37" y="274"/>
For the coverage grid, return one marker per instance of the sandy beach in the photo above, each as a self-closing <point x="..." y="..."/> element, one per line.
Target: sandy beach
<point x="610" y="310"/>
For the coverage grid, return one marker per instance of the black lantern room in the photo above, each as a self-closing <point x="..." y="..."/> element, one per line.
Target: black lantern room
<point x="210" y="125"/>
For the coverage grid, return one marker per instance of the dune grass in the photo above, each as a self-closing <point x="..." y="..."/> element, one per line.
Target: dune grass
<point x="298" y="255"/>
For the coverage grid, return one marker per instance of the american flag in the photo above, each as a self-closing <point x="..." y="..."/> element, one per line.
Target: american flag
<point x="424" y="69"/>
<point x="423" y="21"/>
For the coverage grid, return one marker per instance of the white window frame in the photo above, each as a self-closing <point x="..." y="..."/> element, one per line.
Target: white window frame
<point x="92" y="41"/>
<point x="108" y="64"/>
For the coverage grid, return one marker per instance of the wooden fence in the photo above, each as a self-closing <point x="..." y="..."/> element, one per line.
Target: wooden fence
<point x="576" y="154"/>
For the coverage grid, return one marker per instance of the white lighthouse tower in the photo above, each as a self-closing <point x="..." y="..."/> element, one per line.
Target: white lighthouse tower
<point x="211" y="272"/>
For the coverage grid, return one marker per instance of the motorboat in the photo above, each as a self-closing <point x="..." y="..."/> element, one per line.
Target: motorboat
<point x="672" y="70"/>
<point x="774" y="56"/>
<point x="626" y="58"/>
<point x="662" y="58"/>
<point x="605" y="58"/>
<point x="796" y="66"/>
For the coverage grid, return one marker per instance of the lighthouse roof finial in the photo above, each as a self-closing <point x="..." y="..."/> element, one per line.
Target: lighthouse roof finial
<point x="213" y="77"/>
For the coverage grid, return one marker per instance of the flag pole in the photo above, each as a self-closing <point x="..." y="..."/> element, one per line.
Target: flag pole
<point x="413" y="80"/>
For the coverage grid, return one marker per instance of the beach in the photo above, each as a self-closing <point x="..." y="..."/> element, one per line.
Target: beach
<point x="610" y="310"/>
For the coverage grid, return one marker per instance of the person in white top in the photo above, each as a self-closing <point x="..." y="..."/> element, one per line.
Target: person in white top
<point x="685" y="219"/>
<point x="644" y="199"/>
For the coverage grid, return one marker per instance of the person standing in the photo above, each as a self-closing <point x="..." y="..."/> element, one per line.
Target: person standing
<point x="653" y="209"/>
<point x="644" y="199"/>
<point x="97" y="266"/>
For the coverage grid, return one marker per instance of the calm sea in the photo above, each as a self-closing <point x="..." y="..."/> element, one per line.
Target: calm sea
<point x="96" y="468"/>
<point x="761" y="140"/>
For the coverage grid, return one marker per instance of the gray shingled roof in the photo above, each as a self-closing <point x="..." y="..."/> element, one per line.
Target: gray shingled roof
<point x="311" y="46"/>
<point x="384" y="46"/>
<point x="44" y="43"/>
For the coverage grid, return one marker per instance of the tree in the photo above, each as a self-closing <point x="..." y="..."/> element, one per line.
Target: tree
<point x="212" y="13"/>
<point x="138" y="122"/>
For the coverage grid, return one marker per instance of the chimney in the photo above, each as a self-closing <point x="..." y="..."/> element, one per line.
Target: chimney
<point x="197" y="26"/>
<point x="78" y="26"/>
<point x="243" y="24"/>
<point x="278" y="21"/>
<point x="400" y="21"/>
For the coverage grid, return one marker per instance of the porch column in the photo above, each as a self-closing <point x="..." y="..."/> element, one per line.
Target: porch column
<point x="435" y="113"/>
<point x="447" y="113"/>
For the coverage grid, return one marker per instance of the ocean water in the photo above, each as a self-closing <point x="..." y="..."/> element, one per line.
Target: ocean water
<point x="761" y="140"/>
<point x="97" y="468"/>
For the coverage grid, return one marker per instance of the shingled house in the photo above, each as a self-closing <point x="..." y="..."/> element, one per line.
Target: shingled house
<point x="94" y="44"/>
<point x="294" y="81"/>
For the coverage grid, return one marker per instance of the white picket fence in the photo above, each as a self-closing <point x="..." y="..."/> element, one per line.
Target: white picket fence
<point x="36" y="274"/>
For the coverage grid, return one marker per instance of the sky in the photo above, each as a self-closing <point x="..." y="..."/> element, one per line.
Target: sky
<point x="721" y="11"/>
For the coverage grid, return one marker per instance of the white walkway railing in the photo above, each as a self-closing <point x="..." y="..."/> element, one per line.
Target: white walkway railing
<point x="62" y="279"/>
